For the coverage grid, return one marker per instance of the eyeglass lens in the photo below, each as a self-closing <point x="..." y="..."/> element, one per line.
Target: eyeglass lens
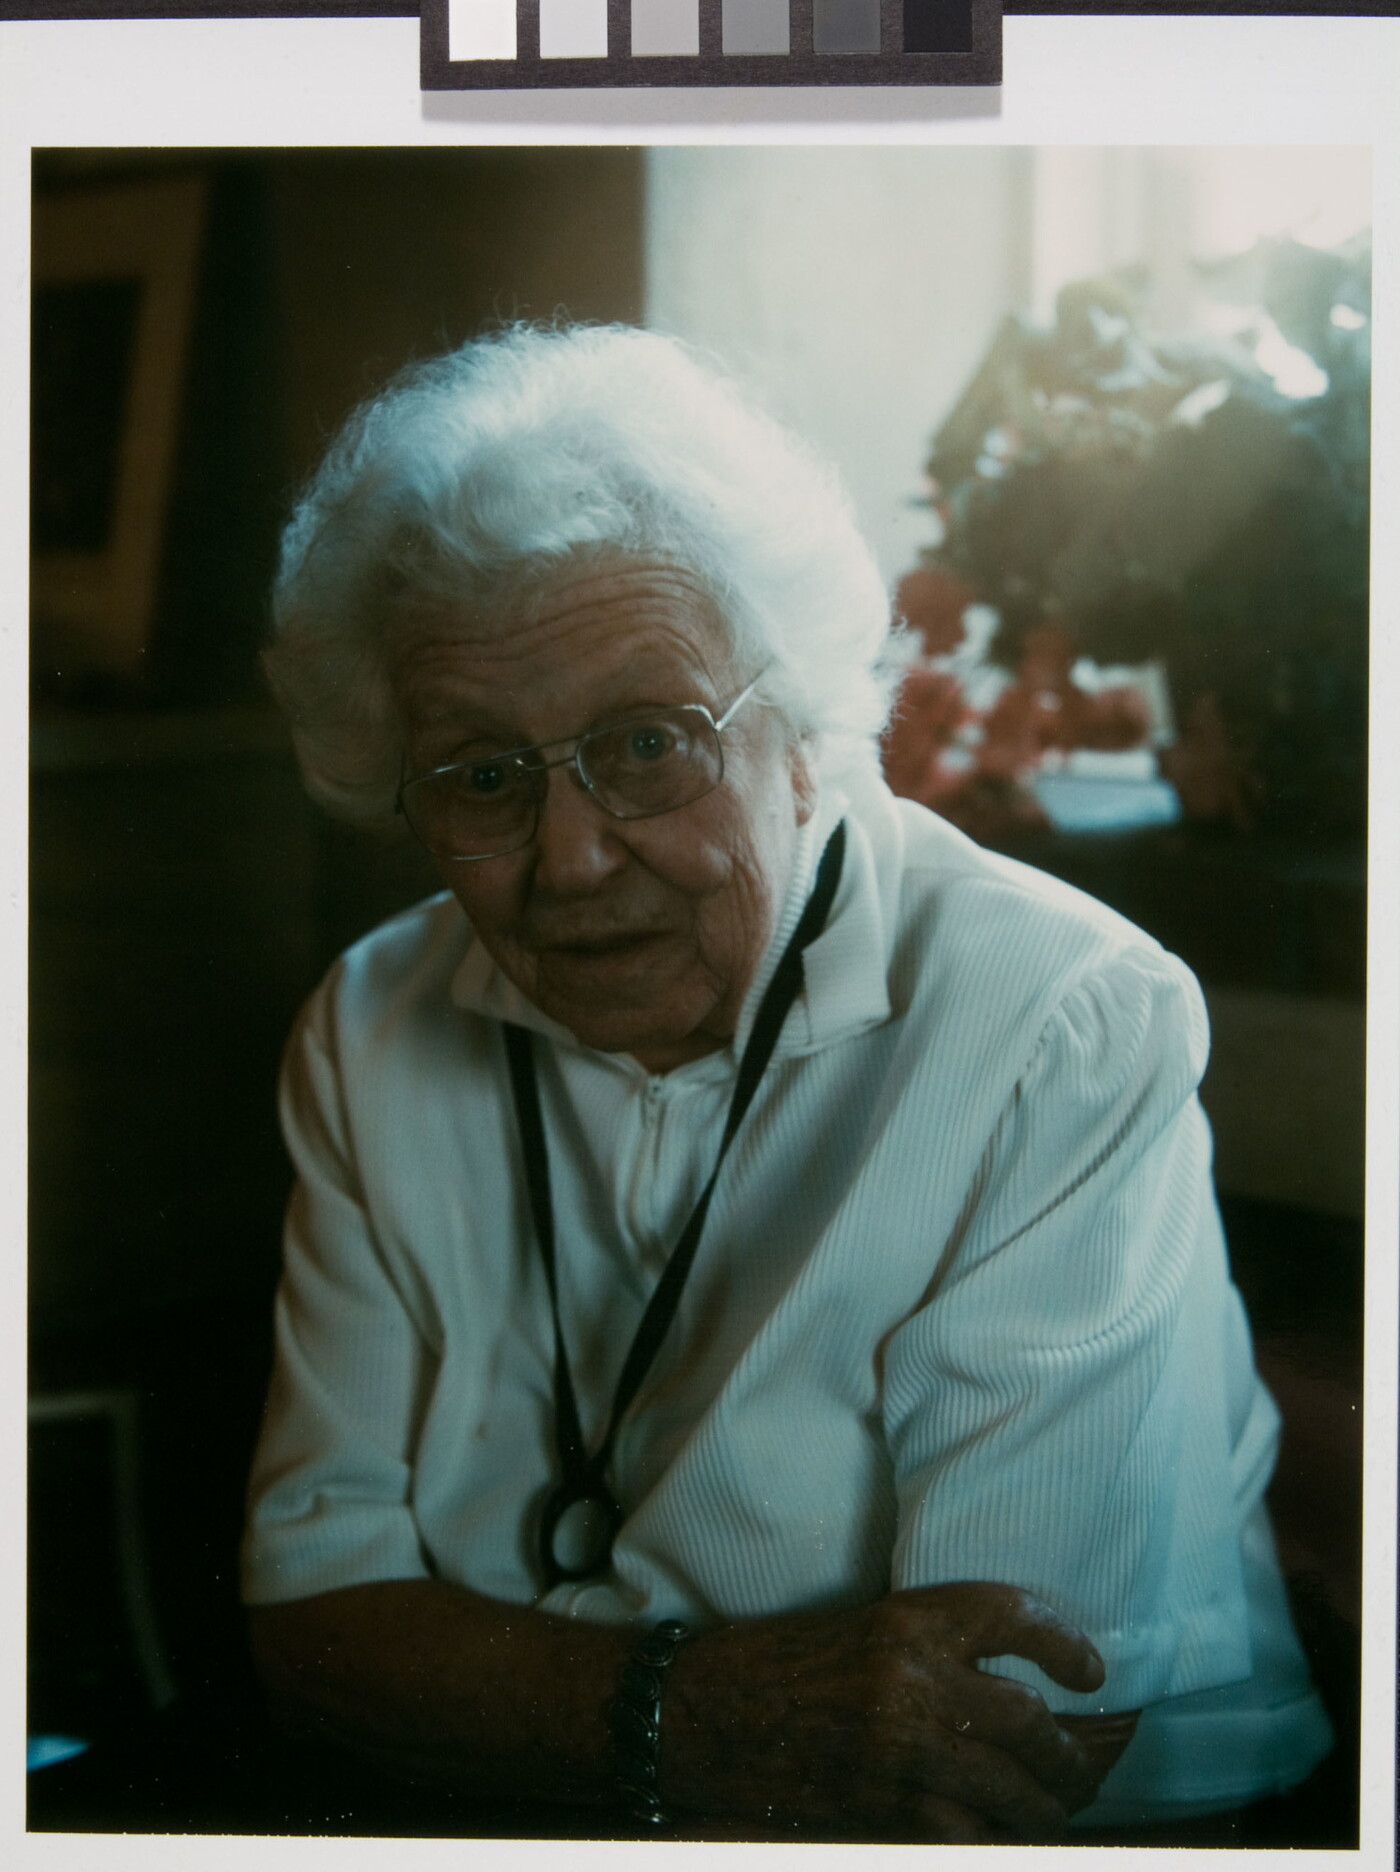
<point x="635" y="770"/>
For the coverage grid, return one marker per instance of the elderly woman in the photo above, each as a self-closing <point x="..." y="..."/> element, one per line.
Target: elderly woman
<point x="755" y="1347"/>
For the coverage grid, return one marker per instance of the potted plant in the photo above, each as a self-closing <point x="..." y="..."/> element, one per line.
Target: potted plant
<point x="1197" y="503"/>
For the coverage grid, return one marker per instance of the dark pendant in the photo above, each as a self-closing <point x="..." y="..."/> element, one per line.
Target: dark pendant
<point x="577" y="1529"/>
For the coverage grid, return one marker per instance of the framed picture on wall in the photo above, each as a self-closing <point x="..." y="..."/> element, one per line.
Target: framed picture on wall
<point x="114" y="271"/>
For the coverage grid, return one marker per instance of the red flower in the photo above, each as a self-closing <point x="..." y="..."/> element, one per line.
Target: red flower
<point x="1111" y="721"/>
<point x="930" y="711"/>
<point x="932" y="602"/>
<point x="1023" y="723"/>
<point x="1047" y="656"/>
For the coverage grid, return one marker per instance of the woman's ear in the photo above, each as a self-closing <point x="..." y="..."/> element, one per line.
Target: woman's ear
<point x="802" y="766"/>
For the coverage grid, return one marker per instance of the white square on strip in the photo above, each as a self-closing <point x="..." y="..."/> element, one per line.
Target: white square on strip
<point x="573" y="28"/>
<point x="481" y="29"/>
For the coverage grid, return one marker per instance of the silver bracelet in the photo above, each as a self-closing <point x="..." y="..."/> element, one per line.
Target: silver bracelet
<point x="634" y="1722"/>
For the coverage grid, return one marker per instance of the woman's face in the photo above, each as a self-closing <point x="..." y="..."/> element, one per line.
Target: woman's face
<point x="640" y="936"/>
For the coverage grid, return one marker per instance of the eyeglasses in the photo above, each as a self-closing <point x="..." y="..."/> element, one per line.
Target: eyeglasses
<point x="635" y="769"/>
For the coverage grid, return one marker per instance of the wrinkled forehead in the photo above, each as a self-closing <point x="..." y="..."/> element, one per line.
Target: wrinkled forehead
<point x="586" y="585"/>
<point x="577" y="610"/>
<point x="588" y="635"/>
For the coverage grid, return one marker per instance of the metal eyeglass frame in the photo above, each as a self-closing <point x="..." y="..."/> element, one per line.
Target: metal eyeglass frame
<point x="542" y="767"/>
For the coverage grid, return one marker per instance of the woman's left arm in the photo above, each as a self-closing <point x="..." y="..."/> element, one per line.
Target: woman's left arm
<point x="1066" y="1409"/>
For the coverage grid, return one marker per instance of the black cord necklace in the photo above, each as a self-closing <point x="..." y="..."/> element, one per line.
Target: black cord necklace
<point x="583" y="1493"/>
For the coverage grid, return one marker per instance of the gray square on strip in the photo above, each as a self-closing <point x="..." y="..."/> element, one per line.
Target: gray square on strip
<point x="573" y="28"/>
<point x="754" y="26"/>
<point x="665" y="28"/>
<point x="846" y="25"/>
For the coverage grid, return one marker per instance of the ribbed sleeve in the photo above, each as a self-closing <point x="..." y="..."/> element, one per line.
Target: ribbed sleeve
<point x="333" y="1477"/>
<point x="1044" y="1409"/>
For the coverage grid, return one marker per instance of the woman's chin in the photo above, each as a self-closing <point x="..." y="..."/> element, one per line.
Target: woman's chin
<point x="617" y="1003"/>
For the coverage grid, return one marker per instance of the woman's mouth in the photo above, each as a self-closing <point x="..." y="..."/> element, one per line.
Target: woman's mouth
<point x="616" y="944"/>
<point x="617" y="954"/>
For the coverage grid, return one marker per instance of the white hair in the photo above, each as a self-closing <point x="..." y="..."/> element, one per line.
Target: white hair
<point x="473" y="474"/>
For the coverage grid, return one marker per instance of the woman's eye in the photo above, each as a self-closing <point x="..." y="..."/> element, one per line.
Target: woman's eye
<point x="486" y="778"/>
<point x="651" y="741"/>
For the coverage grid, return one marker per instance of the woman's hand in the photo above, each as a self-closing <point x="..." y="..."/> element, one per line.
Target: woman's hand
<point x="868" y="1723"/>
<point x="875" y="1723"/>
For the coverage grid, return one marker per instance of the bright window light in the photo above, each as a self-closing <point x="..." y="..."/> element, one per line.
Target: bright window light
<point x="1321" y="197"/>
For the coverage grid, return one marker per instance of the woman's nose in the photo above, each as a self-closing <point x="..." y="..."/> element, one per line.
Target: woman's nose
<point x="577" y="843"/>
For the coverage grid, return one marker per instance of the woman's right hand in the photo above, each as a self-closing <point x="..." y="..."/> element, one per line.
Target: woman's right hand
<point x="874" y="1722"/>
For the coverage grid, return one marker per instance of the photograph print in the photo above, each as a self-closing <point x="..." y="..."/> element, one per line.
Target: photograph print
<point x="698" y="835"/>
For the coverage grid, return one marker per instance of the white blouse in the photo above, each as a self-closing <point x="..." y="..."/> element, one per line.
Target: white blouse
<point x="961" y="1310"/>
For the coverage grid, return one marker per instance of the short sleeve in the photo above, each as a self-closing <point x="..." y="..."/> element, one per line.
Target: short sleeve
<point x="330" y="1496"/>
<point x="1062" y="1412"/>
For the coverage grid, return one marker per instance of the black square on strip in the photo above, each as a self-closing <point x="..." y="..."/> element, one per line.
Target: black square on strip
<point x="937" y="25"/>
